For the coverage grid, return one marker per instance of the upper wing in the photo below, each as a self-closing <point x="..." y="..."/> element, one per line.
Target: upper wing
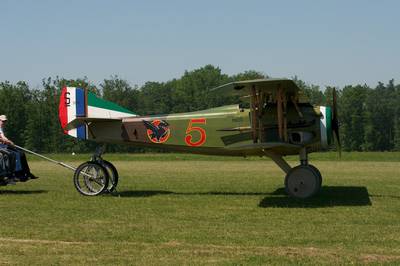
<point x="243" y="88"/>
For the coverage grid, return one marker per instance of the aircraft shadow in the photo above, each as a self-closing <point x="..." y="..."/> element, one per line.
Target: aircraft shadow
<point x="21" y="192"/>
<point x="329" y="196"/>
<point x="149" y="193"/>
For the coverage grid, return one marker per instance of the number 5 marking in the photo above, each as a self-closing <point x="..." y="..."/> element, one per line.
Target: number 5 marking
<point x="190" y="129"/>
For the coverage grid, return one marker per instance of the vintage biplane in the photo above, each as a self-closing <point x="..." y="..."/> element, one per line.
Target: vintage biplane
<point x="272" y="119"/>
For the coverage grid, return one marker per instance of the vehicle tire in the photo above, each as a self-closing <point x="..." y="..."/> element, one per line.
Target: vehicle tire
<point x="319" y="176"/>
<point x="112" y="173"/>
<point x="91" y="179"/>
<point x="302" y="182"/>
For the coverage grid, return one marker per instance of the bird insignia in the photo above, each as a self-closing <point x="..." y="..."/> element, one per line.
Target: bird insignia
<point x="157" y="130"/>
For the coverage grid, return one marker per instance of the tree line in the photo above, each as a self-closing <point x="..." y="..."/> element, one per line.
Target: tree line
<point x="369" y="117"/>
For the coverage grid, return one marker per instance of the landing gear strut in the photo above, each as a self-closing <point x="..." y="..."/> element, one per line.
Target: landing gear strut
<point x="96" y="176"/>
<point x="112" y="171"/>
<point x="304" y="180"/>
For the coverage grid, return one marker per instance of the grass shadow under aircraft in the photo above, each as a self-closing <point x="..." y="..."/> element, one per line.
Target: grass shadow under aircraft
<point x="329" y="196"/>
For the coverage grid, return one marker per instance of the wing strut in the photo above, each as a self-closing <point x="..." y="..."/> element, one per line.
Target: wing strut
<point x="294" y="101"/>
<point x="285" y="135"/>
<point x="278" y="160"/>
<point x="279" y="102"/>
<point x="281" y="105"/>
<point x="254" y="116"/>
<point x="261" y="102"/>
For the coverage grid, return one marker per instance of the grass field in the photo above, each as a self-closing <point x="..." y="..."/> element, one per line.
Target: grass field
<point x="177" y="209"/>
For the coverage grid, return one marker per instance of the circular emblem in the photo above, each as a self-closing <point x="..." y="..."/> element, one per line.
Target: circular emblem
<point x="158" y="130"/>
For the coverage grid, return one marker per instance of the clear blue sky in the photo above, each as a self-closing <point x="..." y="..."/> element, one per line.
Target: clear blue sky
<point x="323" y="42"/>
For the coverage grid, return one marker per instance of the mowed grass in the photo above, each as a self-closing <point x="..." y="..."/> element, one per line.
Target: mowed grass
<point x="177" y="209"/>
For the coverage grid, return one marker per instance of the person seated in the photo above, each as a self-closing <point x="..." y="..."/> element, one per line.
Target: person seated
<point x="21" y="167"/>
<point x="6" y="164"/>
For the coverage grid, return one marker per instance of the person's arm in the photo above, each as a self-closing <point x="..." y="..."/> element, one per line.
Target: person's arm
<point x="4" y="139"/>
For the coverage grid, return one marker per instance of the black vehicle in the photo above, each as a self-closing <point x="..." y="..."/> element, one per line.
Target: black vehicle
<point x="7" y="166"/>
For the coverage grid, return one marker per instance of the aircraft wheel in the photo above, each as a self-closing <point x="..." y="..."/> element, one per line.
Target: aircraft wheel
<point x="112" y="173"/>
<point x="302" y="182"/>
<point x="319" y="177"/>
<point x="91" y="179"/>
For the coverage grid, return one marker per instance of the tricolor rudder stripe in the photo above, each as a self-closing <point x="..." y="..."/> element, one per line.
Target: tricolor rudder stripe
<point x="73" y="104"/>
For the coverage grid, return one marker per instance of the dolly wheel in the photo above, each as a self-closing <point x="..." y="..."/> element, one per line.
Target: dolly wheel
<point x="112" y="173"/>
<point x="91" y="179"/>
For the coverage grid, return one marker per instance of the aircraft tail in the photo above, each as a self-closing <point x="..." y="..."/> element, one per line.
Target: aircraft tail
<point x="77" y="104"/>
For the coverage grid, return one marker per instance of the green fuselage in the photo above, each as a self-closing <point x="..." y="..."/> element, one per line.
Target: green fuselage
<point x="225" y="130"/>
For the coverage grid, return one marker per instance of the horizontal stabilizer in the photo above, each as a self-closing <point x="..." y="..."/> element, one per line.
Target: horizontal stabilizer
<point x="79" y="121"/>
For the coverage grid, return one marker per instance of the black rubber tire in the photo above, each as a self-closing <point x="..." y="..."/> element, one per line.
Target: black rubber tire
<point x="113" y="174"/>
<point x="302" y="182"/>
<point x="91" y="191"/>
<point x="319" y="176"/>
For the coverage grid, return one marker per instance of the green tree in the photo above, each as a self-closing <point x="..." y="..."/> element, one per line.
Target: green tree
<point x="157" y="98"/>
<point x="119" y="91"/>
<point x="192" y="91"/>
<point x="13" y="102"/>
<point x="312" y="92"/>
<point x="379" y="124"/>
<point x="352" y="116"/>
<point x="396" y="100"/>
